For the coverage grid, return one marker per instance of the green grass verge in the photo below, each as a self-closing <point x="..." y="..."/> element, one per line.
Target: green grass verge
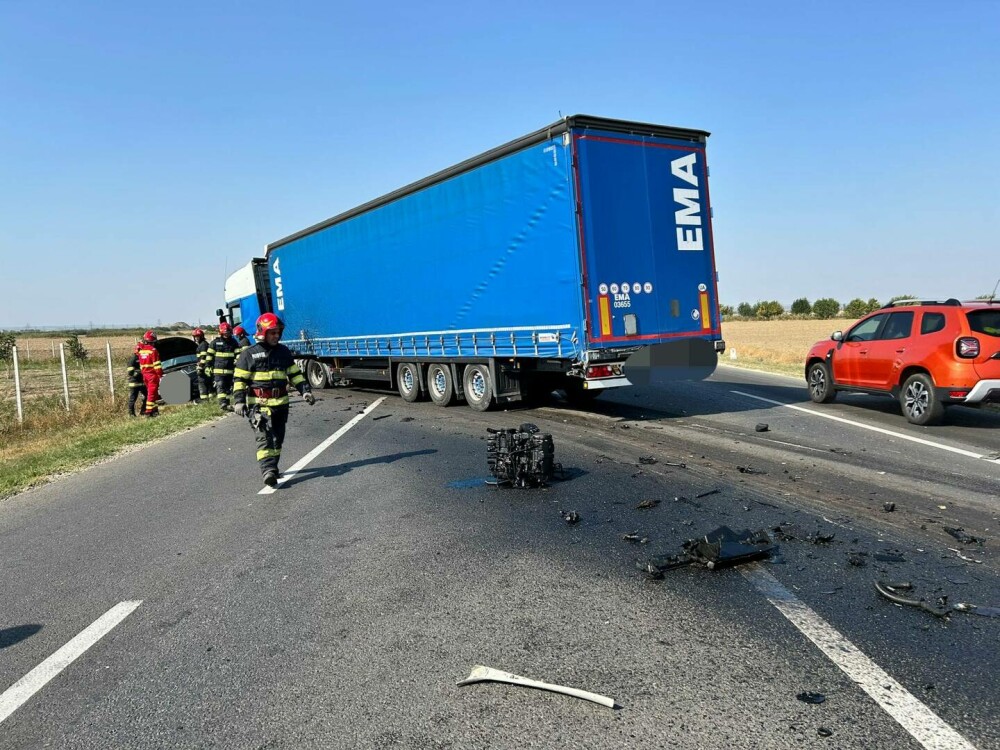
<point x="61" y="451"/>
<point x="765" y="364"/>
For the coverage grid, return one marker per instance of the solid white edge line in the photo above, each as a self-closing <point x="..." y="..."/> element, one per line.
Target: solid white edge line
<point x="15" y="696"/>
<point x="307" y="459"/>
<point x="926" y="727"/>
<point x="862" y="425"/>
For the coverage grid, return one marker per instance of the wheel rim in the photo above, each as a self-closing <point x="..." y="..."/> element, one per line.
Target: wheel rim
<point x="407" y="380"/>
<point x="917" y="399"/>
<point x="817" y="382"/>
<point x="438" y="382"/>
<point x="477" y="385"/>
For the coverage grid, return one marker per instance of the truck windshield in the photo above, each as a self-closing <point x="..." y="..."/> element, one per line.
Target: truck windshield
<point x="985" y="321"/>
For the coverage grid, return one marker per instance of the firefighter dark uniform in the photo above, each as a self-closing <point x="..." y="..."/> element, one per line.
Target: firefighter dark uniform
<point x="263" y="376"/>
<point x="221" y="358"/>
<point x="204" y="369"/>
<point x="242" y="340"/>
<point x="136" y="385"/>
<point x="152" y="371"/>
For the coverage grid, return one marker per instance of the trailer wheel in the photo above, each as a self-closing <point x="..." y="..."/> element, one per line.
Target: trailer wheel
<point x="408" y="381"/>
<point x="316" y="374"/>
<point x="440" y="385"/>
<point x="477" y="387"/>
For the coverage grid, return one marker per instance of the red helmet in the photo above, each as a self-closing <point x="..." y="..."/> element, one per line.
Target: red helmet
<point x="240" y="331"/>
<point x="149" y="337"/>
<point x="268" y="322"/>
<point x="224" y="328"/>
<point x="197" y="332"/>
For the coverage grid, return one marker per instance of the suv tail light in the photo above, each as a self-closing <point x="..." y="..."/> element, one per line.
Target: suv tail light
<point x="967" y="347"/>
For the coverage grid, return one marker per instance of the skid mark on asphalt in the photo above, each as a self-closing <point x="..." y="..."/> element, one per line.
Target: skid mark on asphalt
<point x="16" y="695"/>
<point x="873" y="428"/>
<point x="927" y="728"/>
<point x="314" y="453"/>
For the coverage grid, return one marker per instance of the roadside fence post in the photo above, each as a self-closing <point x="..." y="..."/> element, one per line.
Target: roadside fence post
<point x="111" y="377"/>
<point x="17" y="388"/>
<point x="62" y="359"/>
<point x="53" y="350"/>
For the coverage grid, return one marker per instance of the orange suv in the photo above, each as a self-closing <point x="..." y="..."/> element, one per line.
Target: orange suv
<point x="926" y="354"/>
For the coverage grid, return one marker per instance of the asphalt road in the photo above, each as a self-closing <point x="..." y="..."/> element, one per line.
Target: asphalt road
<point x="340" y="610"/>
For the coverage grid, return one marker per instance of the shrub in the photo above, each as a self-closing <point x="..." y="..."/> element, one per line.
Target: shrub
<point x="826" y="308"/>
<point x="75" y="349"/>
<point x="769" y="309"/>
<point x="745" y="310"/>
<point x="856" y="308"/>
<point x="726" y="311"/>
<point x="873" y="305"/>
<point x="801" y="306"/>
<point x="7" y="343"/>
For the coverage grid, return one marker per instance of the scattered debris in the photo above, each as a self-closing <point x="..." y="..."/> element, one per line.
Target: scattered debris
<point x="824" y="732"/>
<point x="647" y="504"/>
<point x="963" y="537"/>
<point x="888" y="507"/>
<point x="963" y="557"/>
<point x="406" y="419"/>
<point x="977" y="610"/>
<point x="677" y="464"/>
<point x="647" y="460"/>
<point x="383" y="416"/>
<point x="812" y="698"/>
<point x="750" y="470"/>
<point x="857" y="560"/>
<point x="521" y="457"/>
<point x="486" y="674"/>
<point x="889" y="592"/>
<point x="710" y="492"/>
<point x="570" y="516"/>
<point x="634" y="537"/>
<point x="651" y="571"/>
<point x="761" y="427"/>
<point x="791" y="532"/>
<point x="720" y="548"/>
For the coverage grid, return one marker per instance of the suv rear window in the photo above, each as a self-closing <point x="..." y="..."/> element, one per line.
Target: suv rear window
<point x="931" y="322"/>
<point x="985" y="321"/>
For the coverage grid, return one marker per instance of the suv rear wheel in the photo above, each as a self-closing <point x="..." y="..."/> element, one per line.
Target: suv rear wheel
<point x="919" y="401"/>
<point x="821" y="383"/>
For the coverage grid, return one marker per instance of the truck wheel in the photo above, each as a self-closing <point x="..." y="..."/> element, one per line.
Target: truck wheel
<point x="408" y="381"/>
<point x="919" y="401"/>
<point x="316" y="374"/>
<point x="820" y="382"/>
<point x="440" y="385"/>
<point x="477" y="387"/>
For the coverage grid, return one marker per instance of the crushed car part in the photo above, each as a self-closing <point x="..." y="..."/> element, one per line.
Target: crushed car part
<point x="964" y="537"/>
<point x="812" y="698"/>
<point x="647" y="504"/>
<point x="487" y="674"/>
<point x="889" y="593"/>
<point x="521" y="457"/>
<point x="570" y="516"/>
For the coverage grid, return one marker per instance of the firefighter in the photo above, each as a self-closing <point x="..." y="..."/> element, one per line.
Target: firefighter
<point x="242" y="339"/>
<point x="263" y="374"/>
<point x="152" y="371"/>
<point x="221" y="358"/>
<point x="203" y="371"/>
<point x="133" y="376"/>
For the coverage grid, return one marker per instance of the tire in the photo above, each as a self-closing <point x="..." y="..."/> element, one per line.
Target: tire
<point x="478" y="387"/>
<point x="440" y="385"/>
<point x="316" y="374"/>
<point x="919" y="401"/>
<point x="820" y="383"/>
<point x="408" y="381"/>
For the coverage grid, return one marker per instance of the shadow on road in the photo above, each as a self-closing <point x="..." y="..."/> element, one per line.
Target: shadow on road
<point x="12" y="636"/>
<point x="336" y="470"/>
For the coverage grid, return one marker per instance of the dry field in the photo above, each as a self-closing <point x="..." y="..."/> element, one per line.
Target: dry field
<point x="776" y="345"/>
<point x="41" y="348"/>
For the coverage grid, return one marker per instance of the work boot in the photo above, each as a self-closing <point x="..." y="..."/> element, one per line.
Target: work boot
<point x="271" y="478"/>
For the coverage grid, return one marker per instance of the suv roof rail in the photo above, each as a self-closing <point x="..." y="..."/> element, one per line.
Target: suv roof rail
<point x="950" y="302"/>
<point x="982" y="301"/>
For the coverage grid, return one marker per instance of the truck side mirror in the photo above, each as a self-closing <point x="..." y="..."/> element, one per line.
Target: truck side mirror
<point x="218" y="312"/>
<point x="837" y="336"/>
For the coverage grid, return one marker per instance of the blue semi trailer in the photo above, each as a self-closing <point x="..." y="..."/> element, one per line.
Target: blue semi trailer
<point x="542" y="264"/>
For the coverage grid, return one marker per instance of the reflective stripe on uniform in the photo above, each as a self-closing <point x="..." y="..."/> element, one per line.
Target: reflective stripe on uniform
<point x="270" y="375"/>
<point x="268" y="453"/>
<point x="279" y="401"/>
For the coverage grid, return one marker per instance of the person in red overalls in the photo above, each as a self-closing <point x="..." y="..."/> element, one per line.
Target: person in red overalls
<point x="152" y="371"/>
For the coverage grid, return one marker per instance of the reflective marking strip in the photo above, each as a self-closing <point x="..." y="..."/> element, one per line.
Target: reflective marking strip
<point x="706" y="322"/>
<point x="880" y="430"/>
<point x="15" y="696"/>
<point x="927" y="728"/>
<point x="605" y="305"/>
<point x="306" y="459"/>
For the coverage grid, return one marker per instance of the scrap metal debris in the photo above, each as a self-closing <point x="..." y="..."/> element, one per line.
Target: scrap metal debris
<point x="404" y="419"/>
<point x="963" y="537"/>
<point x="963" y="557"/>
<point x="812" y="698"/>
<point x="649" y="460"/>
<point x="887" y="591"/>
<point x="750" y="470"/>
<point x="857" y="560"/>
<point x="761" y="427"/>
<point x="720" y="548"/>
<point x="652" y="572"/>
<point x="570" y="516"/>
<point x="633" y="536"/>
<point x="791" y="532"/>
<point x="647" y="504"/>
<point x="824" y="732"/>
<point x="716" y="491"/>
<point x="977" y="610"/>
<point x="888" y="507"/>
<point x="521" y="457"/>
<point x="486" y="674"/>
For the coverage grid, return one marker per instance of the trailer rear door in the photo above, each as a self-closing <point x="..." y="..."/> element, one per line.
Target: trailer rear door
<point x="646" y="239"/>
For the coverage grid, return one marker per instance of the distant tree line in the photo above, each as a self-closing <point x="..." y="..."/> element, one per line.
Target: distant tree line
<point x="821" y="309"/>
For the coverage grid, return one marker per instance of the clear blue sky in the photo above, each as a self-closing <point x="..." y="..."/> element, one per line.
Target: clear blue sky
<point x="147" y="148"/>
